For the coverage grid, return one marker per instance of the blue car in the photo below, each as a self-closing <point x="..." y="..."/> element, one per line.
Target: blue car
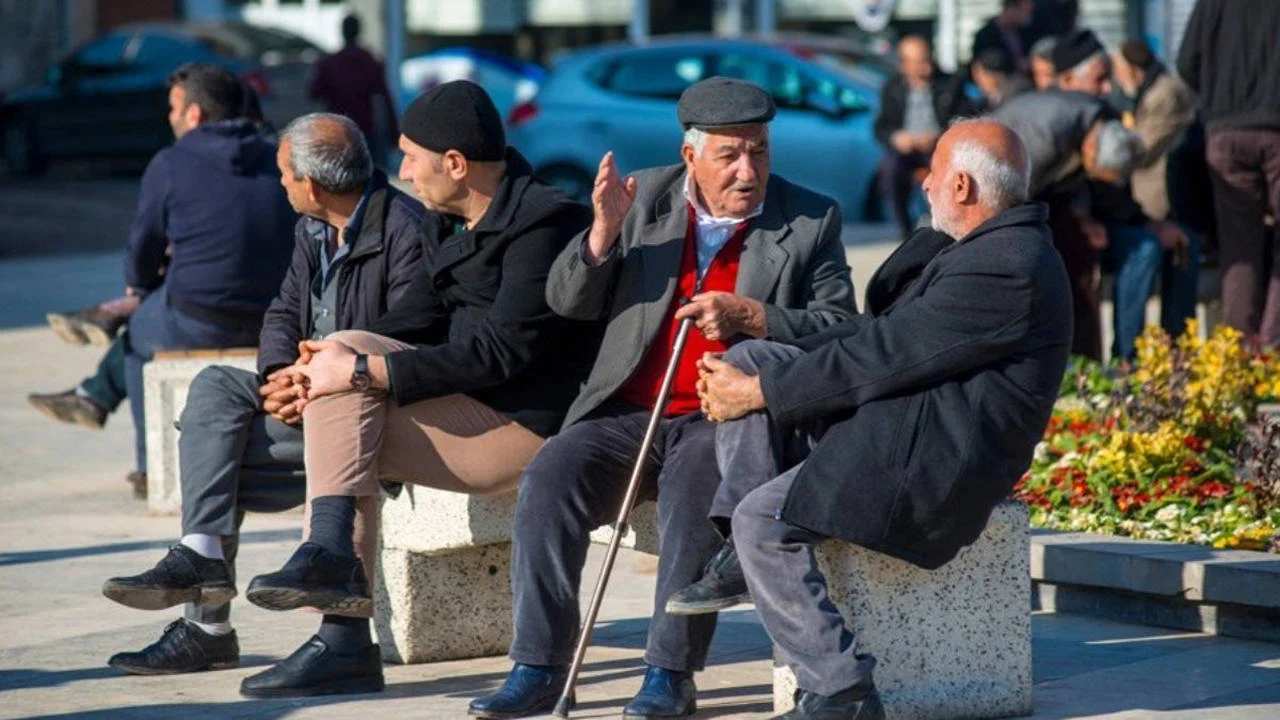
<point x="623" y="98"/>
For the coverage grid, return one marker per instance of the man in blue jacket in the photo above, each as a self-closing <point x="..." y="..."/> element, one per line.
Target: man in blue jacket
<point x="210" y="241"/>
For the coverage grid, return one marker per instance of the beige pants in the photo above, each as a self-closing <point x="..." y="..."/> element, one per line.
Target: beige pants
<point x="352" y="440"/>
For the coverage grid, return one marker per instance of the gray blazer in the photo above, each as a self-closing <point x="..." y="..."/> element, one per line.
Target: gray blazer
<point x="792" y="260"/>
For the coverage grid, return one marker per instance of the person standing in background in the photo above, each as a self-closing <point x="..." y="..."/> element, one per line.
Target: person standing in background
<point x="1006" y="32"/>
<point x="353" y="82"/>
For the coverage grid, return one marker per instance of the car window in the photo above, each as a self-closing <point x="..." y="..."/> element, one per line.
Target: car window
<point x="656" y="75"/>
<point x="164" y="52"/>
<point x="103" y="53"/>
<point x="832" y="97"/>
<point x="783" y="82"/>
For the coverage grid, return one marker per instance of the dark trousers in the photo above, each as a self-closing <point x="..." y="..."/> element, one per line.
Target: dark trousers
<point x="789" y="591"/>
<point x="156" y="326"/>
<point x="106" y="386"/>
<point x="575" y="484"/>
<point x="1245" y="172"/>
<point x="233" y="459"/>
<point x="897" y="180"/>
<point x="1082" y="264"/>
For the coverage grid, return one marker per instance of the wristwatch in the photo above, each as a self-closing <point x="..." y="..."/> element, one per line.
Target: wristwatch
<point x="361" y="380"/>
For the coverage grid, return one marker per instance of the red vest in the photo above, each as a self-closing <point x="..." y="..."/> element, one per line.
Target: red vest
<point x="642" y="389"/>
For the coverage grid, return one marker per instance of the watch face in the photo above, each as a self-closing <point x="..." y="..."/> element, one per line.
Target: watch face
<point x="360" y="381"/>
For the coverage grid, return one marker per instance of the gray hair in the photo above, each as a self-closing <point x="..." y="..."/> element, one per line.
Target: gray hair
<point x="1119" y="149"/>
<point x="329" y="149"/>
<point x="1001" y="184"/>
<point x="1044" y="48"/>
<point x="697" y="138"/>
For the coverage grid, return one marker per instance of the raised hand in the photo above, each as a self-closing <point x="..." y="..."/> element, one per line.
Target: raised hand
<point x="611" y="199"/>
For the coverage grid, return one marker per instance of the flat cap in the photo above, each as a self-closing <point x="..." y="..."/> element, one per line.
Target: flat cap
<point x="723" y="102"/>
<point x="457" y="115"/>
<point x="1075" y="49"/>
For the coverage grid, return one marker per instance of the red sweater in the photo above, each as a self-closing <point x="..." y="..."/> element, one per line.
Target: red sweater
<point x="722" y="275"/>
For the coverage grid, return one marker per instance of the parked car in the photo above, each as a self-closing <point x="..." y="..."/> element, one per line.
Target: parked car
<point x="623" y="98"/>
<point x="109" y="97"/>
<point x="507" y="80"/>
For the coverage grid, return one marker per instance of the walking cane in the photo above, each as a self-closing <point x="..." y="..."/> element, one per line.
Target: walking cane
<point x="620" y="526"/>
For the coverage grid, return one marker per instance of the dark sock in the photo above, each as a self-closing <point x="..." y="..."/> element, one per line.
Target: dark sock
<point x="333" y="520"/>
<point x="345" y="635"/>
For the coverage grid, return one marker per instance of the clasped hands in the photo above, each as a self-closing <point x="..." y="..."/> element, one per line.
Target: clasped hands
<point x="323" y="367"/>
<point x="726" y="392"/>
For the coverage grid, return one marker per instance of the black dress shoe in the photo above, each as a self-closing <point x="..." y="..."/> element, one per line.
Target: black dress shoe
<point x="722" y="586"/>
<point x="528" y="690"/>
<point x="664" y="694"/>
<point x="182" y="576"/>
<point x="70" y="407"/>
<point x="315" y="577"/>
<point x="315" y="669"/>
<point x="183" y="648"/>
<point x="855" y="703"/>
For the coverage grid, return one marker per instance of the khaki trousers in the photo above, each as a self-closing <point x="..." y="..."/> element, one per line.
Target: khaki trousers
<point x="353" y="440"/>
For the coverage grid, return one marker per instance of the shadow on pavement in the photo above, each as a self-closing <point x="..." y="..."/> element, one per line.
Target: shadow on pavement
<point x="38" y="556"/>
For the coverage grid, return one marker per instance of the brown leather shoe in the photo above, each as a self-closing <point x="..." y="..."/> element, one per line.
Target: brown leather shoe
<point x="139" y="482"/>
<point x="70" y="407"/>
<point x="90" y="325"/>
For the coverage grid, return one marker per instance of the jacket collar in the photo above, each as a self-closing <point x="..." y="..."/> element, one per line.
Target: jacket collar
<point x="1032" y="213"/>
<point x="373" y="214"/>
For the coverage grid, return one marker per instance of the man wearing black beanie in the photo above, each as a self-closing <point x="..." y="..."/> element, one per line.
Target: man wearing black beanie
<point x="455" y="387"/>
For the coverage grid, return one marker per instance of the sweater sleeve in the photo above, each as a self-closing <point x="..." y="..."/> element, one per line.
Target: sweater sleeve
<point x="830" y="297"/>
<point x="145" y="251"/>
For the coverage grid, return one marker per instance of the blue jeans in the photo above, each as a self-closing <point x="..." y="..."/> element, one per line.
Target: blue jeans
<point x="1136" y="259"/>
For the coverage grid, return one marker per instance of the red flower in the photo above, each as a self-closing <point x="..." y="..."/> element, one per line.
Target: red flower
<point x="1197" y="444"/>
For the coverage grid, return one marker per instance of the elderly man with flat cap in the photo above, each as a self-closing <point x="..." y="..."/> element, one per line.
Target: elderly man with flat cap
<point x="746" y="255"/>
<point x="455" y="387"/>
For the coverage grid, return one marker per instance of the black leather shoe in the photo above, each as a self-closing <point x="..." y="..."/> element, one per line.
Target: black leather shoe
<point x="315" y="669"/>
<point x="528" y="690"/>
<point x="664" y="694"/>
<point x="722" y="586"/>
<point x="182" y="576"/>
<point x="183" y="648"/>
<point x="315" y="577"/>
<point x="855" y="703"/>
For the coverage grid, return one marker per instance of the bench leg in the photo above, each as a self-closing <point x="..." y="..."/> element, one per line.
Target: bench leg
<point x="447" y="606"/>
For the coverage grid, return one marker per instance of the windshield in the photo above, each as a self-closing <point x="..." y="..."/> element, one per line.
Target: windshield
<point x="859" y="69"/>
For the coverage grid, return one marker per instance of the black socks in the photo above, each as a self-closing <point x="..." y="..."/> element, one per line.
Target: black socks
<point x="333" y="519"/>
<point x="345" y="635"/>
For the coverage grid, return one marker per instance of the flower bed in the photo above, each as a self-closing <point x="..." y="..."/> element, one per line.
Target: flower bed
<point x="1166" y="448"/>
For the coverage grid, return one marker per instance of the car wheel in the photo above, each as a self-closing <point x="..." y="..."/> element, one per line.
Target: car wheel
<point x="574" y="181"/>
<point x="20" y="152"/>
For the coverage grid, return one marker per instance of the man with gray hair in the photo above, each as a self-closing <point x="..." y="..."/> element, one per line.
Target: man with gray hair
<point x="932" y="402"/>
<point x="356" y="248"/>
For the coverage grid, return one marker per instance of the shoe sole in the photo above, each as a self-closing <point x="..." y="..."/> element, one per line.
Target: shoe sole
<point x="290" y="598"/>
<point x="706" y="606"/>
<point x="71" y="418"/>
<point x="154" y="598"/>
<point x="539" y="710"/>
<point x="693" y="708"/>
<point x="344" y="686"/>
<point x="148" y="670"/>
<point x="64" y="328"/>
<point x="93" y="334"/>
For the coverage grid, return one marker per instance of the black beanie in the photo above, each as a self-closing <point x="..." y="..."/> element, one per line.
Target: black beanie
<point x="456" y="115"/>
<point x="1075" y="49"/>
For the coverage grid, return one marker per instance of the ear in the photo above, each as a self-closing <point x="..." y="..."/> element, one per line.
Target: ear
<point x="455" y="164"/>
<point x="963" y="189"/>
<point x="193" y="115"/>
<point x="688" y="153"/>
<point x="312" y="190"/>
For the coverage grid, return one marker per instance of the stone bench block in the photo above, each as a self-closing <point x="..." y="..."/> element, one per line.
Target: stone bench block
<point x="952" y="643"/>
<point x="165" y="381"/>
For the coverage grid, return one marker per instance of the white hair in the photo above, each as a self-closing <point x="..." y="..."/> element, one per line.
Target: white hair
<point x="1080" y="71"/>
<point x="1119" y="149"/>
<point x="697" y="138"/>
<point x="338" y="162"/>
<point x="1001" y="184"/>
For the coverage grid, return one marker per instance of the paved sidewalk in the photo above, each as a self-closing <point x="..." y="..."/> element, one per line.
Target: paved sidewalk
<point x="67" y="523"/>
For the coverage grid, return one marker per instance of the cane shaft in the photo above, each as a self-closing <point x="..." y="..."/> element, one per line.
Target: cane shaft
<point x="620" y="525"/>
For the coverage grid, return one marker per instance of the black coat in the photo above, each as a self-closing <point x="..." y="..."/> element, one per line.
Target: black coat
<point x="949" y="101"/>
<point x="1229" y="58"/>
<point x="933" y="406"/>
<point x="386" y="257"/>
<point x="478" y="311"/>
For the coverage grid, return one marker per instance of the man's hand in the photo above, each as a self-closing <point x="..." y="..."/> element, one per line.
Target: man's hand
<point x="281" y="397"/>
<point x="726" y="392"/>
<point x="902" y="141"/>
<point x="611" y="200"/>
<point x="326" y="369"/>
<point x="721" y="315"/>
<point x="925" y="142"/>
<point x="1096" y="233"/>
<point x="1170" y="235"/>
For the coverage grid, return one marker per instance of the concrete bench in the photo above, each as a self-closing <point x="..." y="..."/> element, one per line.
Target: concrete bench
<point x="165" y="381"/>
<point x="952" y="643"/>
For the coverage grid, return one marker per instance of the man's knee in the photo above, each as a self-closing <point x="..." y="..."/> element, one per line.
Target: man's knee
<point x="219" y="384"/>
<point x="751" y="355"/>
<point x="358" y="340"/>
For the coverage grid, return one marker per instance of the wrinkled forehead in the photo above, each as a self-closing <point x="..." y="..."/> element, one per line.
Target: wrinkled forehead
<point x="736" y="137"/>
